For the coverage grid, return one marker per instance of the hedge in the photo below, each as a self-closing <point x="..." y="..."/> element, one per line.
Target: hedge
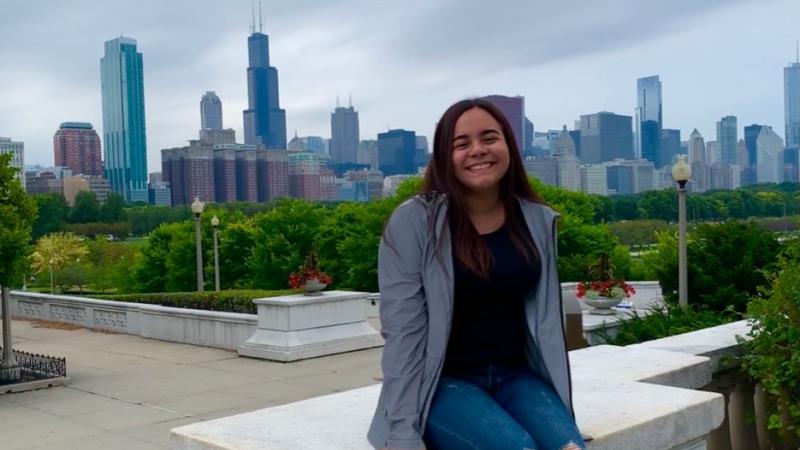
<point x="237" y="301"/>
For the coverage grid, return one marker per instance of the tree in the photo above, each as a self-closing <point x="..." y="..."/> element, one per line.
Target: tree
<point x="348" y="245"/>
<point x="626" y="207"/>
<point x="55" y="252"/>
<point x="110" y="264"/>
<point x="167" y="262"/>
<point x="53" y="210"/>
<point x="18" y="213"/>
<point x="726" y="263"/>
<point x="283" y="238"/>
<point x="236" y="241"/>
<point x="661" y="205"/>
<point x="86" y="208"/>
<point x="113" y="210"/>
<point x="144" y="219"/>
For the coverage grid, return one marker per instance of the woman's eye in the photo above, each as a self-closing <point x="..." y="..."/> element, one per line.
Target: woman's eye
<point x="461" y="146"/>
<point x="490" y="140"/>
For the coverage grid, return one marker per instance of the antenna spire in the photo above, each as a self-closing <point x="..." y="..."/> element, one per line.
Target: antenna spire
<point x="350" y="100"/>
<point x="252" y="17"/>
<point x="337" y="101"/>
<point x="797" y="50"/>
<point x="260" y="18"/>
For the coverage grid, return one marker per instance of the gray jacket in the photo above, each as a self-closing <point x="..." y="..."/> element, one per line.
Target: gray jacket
<point x="415" y="274"/>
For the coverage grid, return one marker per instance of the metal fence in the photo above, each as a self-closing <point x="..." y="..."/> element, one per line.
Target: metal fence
<point x="36" y="367"/>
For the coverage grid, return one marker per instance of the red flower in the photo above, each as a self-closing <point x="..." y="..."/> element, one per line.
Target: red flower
<point x="309" y="270"/>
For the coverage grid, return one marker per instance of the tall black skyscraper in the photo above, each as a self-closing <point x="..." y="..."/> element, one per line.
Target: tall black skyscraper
<point x="264" y="120"/>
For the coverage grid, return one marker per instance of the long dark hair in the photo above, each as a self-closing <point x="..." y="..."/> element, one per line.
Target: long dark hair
<point x="468" y="247"/>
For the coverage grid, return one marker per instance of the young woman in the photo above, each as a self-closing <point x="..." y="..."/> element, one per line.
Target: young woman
<point x="471" y="311"/>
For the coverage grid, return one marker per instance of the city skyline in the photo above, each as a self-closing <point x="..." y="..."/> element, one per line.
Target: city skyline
<point x="397" y="81"/>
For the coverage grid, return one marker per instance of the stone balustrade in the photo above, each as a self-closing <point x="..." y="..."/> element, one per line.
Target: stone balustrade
<point x="641" y="396"/>
<point x="187" y="326"/>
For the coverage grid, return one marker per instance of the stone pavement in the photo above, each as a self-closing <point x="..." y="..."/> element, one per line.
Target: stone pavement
<point x="127" y="392"/>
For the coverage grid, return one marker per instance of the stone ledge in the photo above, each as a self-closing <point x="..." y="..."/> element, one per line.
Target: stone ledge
<point x="615" y="401"/>
<point x="715" y="343"/>
<point x="603" y="363"/>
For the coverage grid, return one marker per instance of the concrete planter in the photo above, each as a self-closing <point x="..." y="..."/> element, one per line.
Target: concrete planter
<point x="295" y="327"/>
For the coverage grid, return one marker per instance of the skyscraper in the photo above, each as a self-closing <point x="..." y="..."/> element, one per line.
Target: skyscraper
<point x="264" y="120"/>
<point x="791" y="164"/>
<point x="17" y="150"/>
<point x="769" y="151"/>
<point x="77" y="146"/>
<point x="791" y="100"/>
<point x="514" y="110"/>
<point x="569" y="166"/>
<point x="670" y="146"/>
<point x="396" y="150"/>
<point x="210" y="112"/>
<point x="605" y="136"/>
<point x="304" y="176"/>
<point x="648" y="119"/>
<point x="189" y="172"/>
<point x="727" y="138"/>
<point x="344" y="135"/>
<point x="124" y="135"/>
<point x="368" y="153"/>
<point x="751" y="133"/>
<point x="697" y="159"/>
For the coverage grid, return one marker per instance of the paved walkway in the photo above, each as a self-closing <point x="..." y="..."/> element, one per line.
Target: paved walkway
<point x="127" y="392"/>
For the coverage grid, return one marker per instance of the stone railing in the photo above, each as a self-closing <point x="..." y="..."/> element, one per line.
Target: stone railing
<point x="232" y="331"/>
<point x="744" y="427"/>
<point x="652" y="395"/>
<point x="188" y="326"/>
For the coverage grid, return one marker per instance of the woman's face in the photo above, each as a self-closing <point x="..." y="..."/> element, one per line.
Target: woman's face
<point x="480" y="151"/>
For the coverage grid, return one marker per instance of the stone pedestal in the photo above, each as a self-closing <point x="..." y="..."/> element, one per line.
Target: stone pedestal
<point x="295" y="327"/>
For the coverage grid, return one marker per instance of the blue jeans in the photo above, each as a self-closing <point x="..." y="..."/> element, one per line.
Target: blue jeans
<point x="498" y="408"/>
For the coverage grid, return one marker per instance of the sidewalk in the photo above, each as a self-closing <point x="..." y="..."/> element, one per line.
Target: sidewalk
<point x="127" y="392"/>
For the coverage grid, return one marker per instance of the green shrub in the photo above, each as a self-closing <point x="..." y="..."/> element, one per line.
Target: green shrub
<point x="226" y="301"/>
<point x="772" y="355"/>
<point x="664" y="321"/>
<point x="726" y="263"/>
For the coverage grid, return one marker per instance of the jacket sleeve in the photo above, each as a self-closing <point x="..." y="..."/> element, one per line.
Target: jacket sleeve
<point x="404" y="325"/>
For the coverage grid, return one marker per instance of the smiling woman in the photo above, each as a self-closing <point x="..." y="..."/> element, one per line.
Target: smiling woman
<point x="471" y="311"/>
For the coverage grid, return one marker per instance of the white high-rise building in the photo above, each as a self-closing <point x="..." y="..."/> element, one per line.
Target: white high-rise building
<point x="769" y="148"/>
<point x="697" y="159"/>
<point x="594" y="179"/>
<point x="17" y="149"/>
<point x="712" y="153"/>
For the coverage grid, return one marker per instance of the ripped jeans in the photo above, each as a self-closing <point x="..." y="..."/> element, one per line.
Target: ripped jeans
<point x="498" y="408"/>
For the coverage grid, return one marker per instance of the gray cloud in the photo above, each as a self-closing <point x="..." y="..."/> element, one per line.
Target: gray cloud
<point x="403" y="62"/>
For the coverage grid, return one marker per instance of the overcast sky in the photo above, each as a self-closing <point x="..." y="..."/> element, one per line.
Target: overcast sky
<point x="403" y="62"/>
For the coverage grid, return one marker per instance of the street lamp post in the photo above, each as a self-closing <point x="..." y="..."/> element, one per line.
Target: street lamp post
<point x="215" y="225"/>
<point x="681" y="173"/>
<point x="197" y="209"/>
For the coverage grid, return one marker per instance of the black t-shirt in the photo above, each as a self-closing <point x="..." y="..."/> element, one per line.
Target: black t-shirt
<point x="489" y="325"/>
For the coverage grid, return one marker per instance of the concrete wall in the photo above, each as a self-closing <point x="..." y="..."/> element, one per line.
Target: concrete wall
<point x="188" y="326"/>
